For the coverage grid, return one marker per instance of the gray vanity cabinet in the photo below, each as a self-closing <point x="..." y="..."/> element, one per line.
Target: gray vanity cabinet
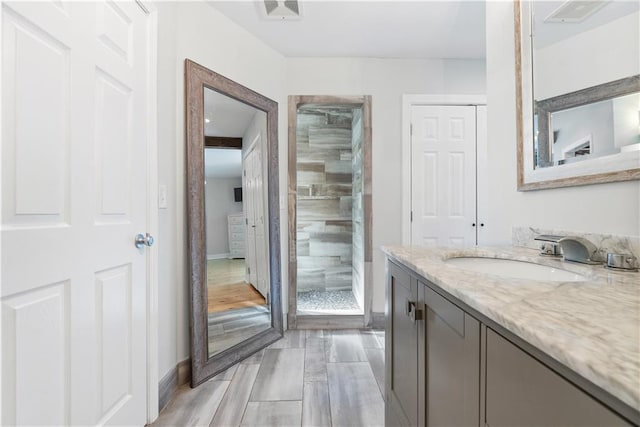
<point x="520" y="391"/>
<point x="445" y="367"/>
<point x="401" y="349"/>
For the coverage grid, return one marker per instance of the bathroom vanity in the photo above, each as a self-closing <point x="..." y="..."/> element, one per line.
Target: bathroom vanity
<point x="471" y="348"/>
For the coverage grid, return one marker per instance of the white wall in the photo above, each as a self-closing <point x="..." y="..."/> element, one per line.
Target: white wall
<point x="219" y="203"/>
<point x="196" y="31"/>
<point x="606" y="208"/>
<point x="386" y="80"/>
<point x="168" y="283"/>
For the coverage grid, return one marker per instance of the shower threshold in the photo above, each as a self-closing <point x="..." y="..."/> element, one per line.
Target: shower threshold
<point x="328" y="302"/>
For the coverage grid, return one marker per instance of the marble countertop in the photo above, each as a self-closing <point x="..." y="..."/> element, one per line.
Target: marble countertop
<point x="592" y="327"/>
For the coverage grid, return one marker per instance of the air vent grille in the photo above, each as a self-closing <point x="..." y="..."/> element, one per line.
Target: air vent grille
<point x="575" y="11"/>
<point x="289" y="9"/>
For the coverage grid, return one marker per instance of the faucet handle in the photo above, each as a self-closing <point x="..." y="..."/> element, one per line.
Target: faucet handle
<point x="550" y="249"/>
<point x="548" y="238"/>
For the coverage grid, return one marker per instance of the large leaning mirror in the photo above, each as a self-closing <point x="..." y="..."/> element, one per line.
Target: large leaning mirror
<point x="578" y="92"/>
<point x="233" y="222"/>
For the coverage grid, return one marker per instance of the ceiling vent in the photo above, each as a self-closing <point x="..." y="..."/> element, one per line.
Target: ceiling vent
<point x="575" y="11"/>
<point x="288" y="9"/>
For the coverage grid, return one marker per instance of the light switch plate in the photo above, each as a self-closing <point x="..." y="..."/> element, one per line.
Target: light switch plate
<point x="162" y="197"/>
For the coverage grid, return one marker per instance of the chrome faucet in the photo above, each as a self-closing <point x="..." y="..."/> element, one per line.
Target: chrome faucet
<point x="578" y="249"/>
<point x="549" y="245"/>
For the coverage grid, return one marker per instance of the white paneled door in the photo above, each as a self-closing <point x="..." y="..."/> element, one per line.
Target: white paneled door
<point x="74" y="195"/>
<point x="443" y="175"/>
<point x="254" y="211"/>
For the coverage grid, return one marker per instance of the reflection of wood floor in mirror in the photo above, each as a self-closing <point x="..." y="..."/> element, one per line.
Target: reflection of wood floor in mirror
<point x="237" y="310"/>
<point x="226" y="287"/>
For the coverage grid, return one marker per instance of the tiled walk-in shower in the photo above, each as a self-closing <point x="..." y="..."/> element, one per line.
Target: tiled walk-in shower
<point x="329" y="227"/>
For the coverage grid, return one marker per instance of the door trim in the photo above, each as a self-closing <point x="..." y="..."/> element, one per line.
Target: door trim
<point x="152" y="399"/>
<point x="408" y="102"/>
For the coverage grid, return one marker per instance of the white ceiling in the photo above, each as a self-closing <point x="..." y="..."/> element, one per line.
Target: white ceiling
<point x="222" y="163"/>
<point x="368" y="28"/>
<point x="548" y="33"/>
<point x="227" y="117"/>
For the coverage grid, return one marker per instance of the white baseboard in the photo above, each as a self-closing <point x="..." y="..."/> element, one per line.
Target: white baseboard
<point x="218" y="256"/>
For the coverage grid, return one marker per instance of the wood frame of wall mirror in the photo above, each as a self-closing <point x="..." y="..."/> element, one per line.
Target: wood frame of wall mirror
<point x="197" y="79"/>
<point x="623" y="166"/>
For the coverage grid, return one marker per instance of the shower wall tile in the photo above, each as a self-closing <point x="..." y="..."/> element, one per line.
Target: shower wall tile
<point x="318" y="261"/>
<point x="331" y="190"/>
<point x="345" y="206"/>
<point x="310" y="173"/>
<point x="320" y="209"/>
<point x="345" y="155"/>
<point x="324" y="199"/>
<point x="338" y="166"/>
<point x="304" y="190"/>
<point x="337" y="178"/>
<point x="329" y="244"/>
<point x="302" y="244"/>
<point x="306" y="153"/>
<point x="339" y="226"/>
<point x="340" y="118"/>
<point x="357" y="208"/>
<point x="338" y="278"/>
<point x="311" y="226"/>
<point x="330" y="137"/>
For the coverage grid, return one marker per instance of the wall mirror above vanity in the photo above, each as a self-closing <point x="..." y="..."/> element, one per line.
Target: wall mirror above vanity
<point x="233" y="221"/>
<point x="578" y="92"/>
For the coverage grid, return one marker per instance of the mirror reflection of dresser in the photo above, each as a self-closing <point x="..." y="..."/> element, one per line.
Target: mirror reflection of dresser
<point x="236" y="235"/>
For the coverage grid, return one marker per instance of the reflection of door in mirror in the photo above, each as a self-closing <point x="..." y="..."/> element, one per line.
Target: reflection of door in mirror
<point x="237" y="283"/>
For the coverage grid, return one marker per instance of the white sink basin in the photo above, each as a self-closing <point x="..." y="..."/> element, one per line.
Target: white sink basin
<point x="513" y="269"/>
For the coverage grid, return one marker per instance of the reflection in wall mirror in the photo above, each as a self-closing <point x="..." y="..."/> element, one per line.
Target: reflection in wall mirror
<point x="578" y="75"/>
<point x="233" y="221"/>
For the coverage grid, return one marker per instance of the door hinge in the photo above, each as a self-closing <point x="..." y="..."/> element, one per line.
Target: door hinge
<point x="248" y="270"/>
<point x="246" y="221"/>
<point x="411" y="216"/>
<point x="411" y="129"/>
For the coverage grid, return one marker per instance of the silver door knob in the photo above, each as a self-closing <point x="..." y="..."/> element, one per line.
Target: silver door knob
<point x="144" y="240"/>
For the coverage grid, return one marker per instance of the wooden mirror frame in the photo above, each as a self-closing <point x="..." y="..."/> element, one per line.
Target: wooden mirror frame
<point x="575" y="174"/>
<point x="197" y="78"/>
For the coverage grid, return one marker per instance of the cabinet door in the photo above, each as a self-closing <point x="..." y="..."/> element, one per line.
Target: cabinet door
<point x="401" y="348"/>
<point x="452" y="341"/>
<point x="523" y="392"/>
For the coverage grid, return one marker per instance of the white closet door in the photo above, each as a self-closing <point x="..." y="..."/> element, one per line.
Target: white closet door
<point x="443" y="175"/>
<point x="250" y="214"/>
<point x="74" y="195"/>
<point x="260" y="235"/>
<point x="482" y="181"/>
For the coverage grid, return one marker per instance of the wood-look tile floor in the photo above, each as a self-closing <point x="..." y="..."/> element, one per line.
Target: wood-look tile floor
<point x="308" y="378"/>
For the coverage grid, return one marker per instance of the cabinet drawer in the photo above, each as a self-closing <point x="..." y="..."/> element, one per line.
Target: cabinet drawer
<point x="236" y="219"/>
<point x="236" y="228"/>
<point x="236" y="244"/>
<point x="236" y="236"/>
